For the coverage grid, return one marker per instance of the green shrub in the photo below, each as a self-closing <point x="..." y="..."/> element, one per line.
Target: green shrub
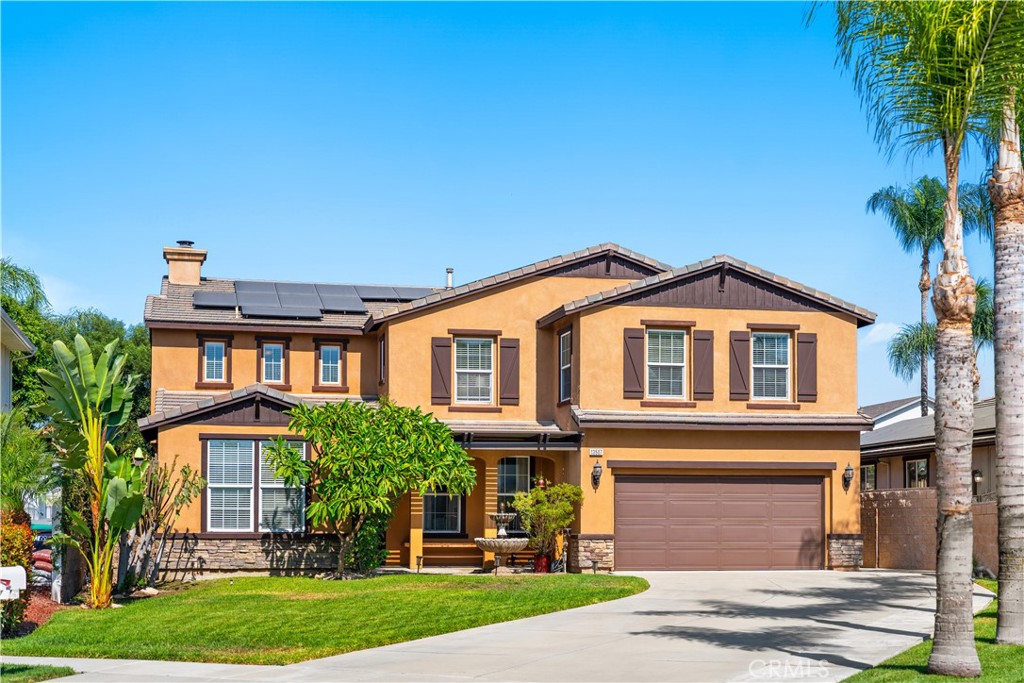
<point x="545" y="511"/>
<point x="15" y="550"/>
<point x="367" y="551"/>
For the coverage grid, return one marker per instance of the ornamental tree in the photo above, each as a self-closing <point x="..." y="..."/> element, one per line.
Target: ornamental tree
<point x="364" y="459"/>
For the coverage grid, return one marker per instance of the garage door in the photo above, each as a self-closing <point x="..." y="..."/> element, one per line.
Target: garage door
<point x="666" y="522"/>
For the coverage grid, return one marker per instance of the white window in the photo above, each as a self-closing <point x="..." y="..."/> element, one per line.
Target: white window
<point x="474" y="370"/>
<point x="330" y="365"/>
<point x="273" y="363"/>
<point x="771" y="365"/>
<point x="565" y="366"/>
<point x="282" y="508"/>
<point x="213" y="361"/>
<point x="383" y="359"/>
<point x="229" y="485"/>
<point x="442" y="513"/>
<point x="513" y="478"/>
<point x="666" y="363"/>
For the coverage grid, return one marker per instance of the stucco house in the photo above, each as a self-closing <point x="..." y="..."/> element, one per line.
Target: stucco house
<point x="12" y="341"/>
<point x="709" y="412"/>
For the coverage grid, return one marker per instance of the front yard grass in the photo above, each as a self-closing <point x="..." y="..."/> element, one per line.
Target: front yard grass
<point x="999" y="663"/>
<point x="31" y="673"/>
<point x="281" y="620"/>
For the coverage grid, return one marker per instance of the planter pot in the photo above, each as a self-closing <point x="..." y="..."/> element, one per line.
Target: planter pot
<point x="541" y="564"/>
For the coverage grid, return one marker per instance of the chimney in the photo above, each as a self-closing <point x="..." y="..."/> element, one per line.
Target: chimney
<point x="184" y="263"/>
<point x="449" y="271"/>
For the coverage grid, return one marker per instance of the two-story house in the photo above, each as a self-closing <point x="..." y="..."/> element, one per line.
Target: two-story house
<point x="709" y="412"/>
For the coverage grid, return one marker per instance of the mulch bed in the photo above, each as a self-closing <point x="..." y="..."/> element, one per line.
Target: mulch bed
<point x="40" y="609"/>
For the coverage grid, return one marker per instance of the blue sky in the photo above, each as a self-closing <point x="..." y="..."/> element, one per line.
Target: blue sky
<point x="384" y="142"/>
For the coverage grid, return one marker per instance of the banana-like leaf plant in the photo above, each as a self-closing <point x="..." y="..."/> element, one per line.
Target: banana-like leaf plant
<point x="89" y="402"/>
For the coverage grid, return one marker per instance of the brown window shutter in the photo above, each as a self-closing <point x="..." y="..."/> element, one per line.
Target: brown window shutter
<point x="633" y="363"/>
<point x="703" y="365"/>
<point x="807" y="367"/>
<point x="441" y="370"/>
<point x="508" y="362"/>
<point x="739" y="366"/>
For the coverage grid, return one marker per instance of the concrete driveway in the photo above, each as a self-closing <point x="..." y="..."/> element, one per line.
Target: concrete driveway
<point x="690" y="626"/>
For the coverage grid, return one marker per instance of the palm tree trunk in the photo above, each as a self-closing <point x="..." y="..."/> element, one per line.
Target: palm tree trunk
<point x="954" y="652"/>
<point x="924" y="285"/>
<point x="1006" y="188"/>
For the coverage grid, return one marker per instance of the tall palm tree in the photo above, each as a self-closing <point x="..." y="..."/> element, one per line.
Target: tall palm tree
<point x="918" y="67"/>
<point x="917" y="216"/>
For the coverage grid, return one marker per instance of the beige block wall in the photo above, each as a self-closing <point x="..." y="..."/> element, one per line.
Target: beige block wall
<point x="842" y="508"/>
<point x="601" y="359"/>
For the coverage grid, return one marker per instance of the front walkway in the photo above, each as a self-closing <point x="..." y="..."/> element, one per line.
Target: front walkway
<point x="690" y="626"/>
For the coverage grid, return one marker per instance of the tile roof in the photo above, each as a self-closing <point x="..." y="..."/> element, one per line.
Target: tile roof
<point x="515" y="274"/>
<point x="920" y="431"/>
<point x="876" y="410"/>
<point x="654" y="419"/>
<point x="610" y="295"/>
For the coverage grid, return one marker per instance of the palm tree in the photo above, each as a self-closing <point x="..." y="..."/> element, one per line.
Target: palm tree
<point x="919" y="67"/>
<point x="917" y="216"/>
<point x="26" y="464"/>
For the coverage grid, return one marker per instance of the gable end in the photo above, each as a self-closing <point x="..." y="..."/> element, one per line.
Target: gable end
<point x="607" y="265"/>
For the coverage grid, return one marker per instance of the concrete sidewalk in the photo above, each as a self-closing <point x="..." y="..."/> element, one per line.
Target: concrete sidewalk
<point x="690" y="626"/>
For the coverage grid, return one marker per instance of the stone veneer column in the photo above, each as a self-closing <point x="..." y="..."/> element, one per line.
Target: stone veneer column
<point x="415" y="527"/>
<point x="585" y="548"/>
<point x="845" y="551"/>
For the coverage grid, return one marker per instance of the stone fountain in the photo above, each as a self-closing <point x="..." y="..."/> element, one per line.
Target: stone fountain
<point x="504" y="544"/>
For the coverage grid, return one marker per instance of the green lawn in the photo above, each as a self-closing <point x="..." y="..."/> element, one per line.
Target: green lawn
<point x="30" y="673"/>
<point x="280" y="620"/>
<point x="999" y="663"/>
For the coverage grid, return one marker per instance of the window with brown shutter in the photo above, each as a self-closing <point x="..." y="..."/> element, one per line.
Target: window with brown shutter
<point x="440" y="370"/>
<point x="703" y="365"/>
<point x="508" y="362"/>
<point x="739" y="366"/>
<point x="807" y="367"/>
<point x="633" y="363"/>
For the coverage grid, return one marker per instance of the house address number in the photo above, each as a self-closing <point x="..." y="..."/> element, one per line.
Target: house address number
<point x="597" y="452"/>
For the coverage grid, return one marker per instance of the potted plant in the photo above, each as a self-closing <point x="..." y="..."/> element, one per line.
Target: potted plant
<point x="544" y="512"/>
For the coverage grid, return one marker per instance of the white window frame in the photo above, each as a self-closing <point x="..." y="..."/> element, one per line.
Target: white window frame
<point x="647" y="378"/>
<point x="324" y="347"/>
<point x="278" y="485"/>
<point x="788" y="367"/>
<point x="223" y="361"/>
<point x="263" y="354"/>
<point x="863" y="481"/>
<point x="457" y="499"/>
<point x="489" y="373"/>
<point x="927" y="474"/>
<point x="210" y="486"/>
<point x="382" y="352"/>
<point x="564" y="365"/>
<point x="515" y="525"/>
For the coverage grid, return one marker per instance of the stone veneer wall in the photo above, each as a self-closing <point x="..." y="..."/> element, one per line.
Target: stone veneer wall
<point x="845" y="551"/>
<point x="190" y="555"/>
<point x="584" y="548"/>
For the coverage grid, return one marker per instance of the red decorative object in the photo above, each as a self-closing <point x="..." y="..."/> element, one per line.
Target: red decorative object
<point x="541" y="564"/>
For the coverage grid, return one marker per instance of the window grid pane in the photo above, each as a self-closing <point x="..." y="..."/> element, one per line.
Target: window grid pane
<point x="473" y="370"/>
<point x="771" y="365"/>
<point x="231" y="509"/>
<point x="666" y="363"/>
<point x="273" y="362"/>
<point x="229" y="463"/>
<point x="330" y="370"/>
<point x="513" y="477"/>
<point x="214" y="361"/>
<point x="565" y="366"/>
<point x="281" y="509"/>
<point x="442" y="513"/>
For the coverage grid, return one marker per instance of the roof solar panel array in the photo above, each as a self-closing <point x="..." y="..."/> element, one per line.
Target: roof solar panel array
<point x="302" y="300"/>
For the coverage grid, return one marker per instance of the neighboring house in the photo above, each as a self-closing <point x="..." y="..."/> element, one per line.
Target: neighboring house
<point x="709" y="412"/>
<point x="885" y="414"/>
<point x="12" y="340"/>
<point x="902" y="455"/>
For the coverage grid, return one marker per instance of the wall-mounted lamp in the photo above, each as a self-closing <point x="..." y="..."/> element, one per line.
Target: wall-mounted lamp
<point x="595" y="474"/>
<point x="847" y="477"/>
<point x="977" y="476"/>
<point x="419" y="563"/>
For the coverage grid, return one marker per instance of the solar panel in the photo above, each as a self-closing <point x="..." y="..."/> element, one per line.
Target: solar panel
<point x="256" y="293"/>
<point x="376" y="293"/>
<point x="340" y="299"/>
<point x="410" y="293"/>
<point x="294" y="312"/>
<point x="214" y="299"/>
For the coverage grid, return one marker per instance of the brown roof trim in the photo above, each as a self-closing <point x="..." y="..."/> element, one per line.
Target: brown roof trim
<point x="766" y="421"/>
<point x="487" y="283"/>
<point x="177" y="414"/>
<point x="260" y="328"/>
<point x="720" y="465"/>
<point x="985" y="437"/>
<point x="456" y="332"/>
<point x="863" y="316"/>
<point x="668" y="323"/>
<point x="772" y="327"/>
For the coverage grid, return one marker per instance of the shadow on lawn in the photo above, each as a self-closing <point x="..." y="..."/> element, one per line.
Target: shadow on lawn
<point x="825" y="613"/>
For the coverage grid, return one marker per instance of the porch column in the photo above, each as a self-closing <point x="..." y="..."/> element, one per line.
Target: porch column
<point x="415" y="528"/>
<point x="490" y="500"/>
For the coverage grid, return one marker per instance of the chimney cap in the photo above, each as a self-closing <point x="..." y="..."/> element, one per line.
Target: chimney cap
<point x="449" y="270"/>
<point x="187" y="244"/>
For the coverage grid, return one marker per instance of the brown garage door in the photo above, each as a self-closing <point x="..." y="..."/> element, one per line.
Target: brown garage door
<point x="666" y="522"/>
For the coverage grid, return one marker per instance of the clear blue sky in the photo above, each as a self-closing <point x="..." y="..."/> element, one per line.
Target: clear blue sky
<point x="384" y="142"/>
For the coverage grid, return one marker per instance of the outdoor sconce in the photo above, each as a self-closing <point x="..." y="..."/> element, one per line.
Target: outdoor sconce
<point x="419" y="563"/>
<point x="595" y="474"/>
<point x="976" y="475"/>
<point x="847" y="477"/>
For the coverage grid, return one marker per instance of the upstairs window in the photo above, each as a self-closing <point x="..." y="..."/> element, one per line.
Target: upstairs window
<point x="565" y="366"/>
<point x="474" y="371"/>
<point x="771" y="366"/>
<point x="330" y="365"/>
<point x="273" y="362"/>
<point x="213" y="362"/>
<point x="666" y="363"/>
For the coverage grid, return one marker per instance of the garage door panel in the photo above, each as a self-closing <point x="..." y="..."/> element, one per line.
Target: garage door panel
<point x="702" y="523"/>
